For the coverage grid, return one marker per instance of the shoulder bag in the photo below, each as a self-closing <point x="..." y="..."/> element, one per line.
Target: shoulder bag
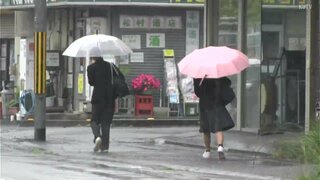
<point x="119" y="85"/>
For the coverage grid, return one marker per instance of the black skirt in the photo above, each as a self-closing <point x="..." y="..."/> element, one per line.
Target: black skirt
<point x="216" y="118"/>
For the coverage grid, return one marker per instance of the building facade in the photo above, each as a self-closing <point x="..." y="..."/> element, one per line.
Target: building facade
<point x="272" y="92"/>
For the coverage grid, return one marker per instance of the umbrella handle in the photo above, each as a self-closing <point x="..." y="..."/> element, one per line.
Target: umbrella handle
<point x="202" y="80"/>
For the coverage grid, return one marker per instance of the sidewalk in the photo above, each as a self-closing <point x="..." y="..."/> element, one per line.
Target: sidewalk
<point x="237" y="141"/>
<point x="74" y="119"/>
<point x="234" y="140"/>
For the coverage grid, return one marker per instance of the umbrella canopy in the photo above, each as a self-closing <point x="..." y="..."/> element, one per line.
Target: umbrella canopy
<point x="97" y="45"/>
<point x="213" y="62"/>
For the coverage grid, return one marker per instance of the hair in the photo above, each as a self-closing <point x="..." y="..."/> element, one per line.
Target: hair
<point x="98" y="58"/>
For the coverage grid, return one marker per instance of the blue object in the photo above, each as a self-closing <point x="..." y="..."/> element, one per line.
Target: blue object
<point x="27" y="100"/>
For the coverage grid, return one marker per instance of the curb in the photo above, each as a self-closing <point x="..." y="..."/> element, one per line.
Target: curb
<point x="227" y="150"/>
<point x="115" y="123"/>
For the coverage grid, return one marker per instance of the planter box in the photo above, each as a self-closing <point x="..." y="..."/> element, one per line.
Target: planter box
<point x="144" y="105"/>
<point x="13" y="110"/>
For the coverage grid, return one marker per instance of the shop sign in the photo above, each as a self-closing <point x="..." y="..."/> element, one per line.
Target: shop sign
<point x="192" y="31"/>
<point x="150" y="22"/>
<point x="137" y="57"/>
<point x="155" y="40"/>
<point x="80" y="83"/>
<point x="283" y="2"/>
<point x="31" y="2"/>
<point x="133" y="41"/>
<point x="53" y="59"/>
<point x="25" y="2"/>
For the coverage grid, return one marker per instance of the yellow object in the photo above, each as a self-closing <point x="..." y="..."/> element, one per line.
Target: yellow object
<point x="168" y="53"/>
<point x="150" y="118"/>
<point x="80" y="83"/>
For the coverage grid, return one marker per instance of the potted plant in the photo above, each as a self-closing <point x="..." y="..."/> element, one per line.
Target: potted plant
<point x="145" y="83"/>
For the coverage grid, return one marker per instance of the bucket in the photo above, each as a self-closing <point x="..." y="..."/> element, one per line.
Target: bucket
<point x="18" y="116"/>
<point x="12" y="118"/>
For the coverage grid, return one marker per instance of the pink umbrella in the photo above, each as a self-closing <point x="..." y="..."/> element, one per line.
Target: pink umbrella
<point x="213" y="62"/>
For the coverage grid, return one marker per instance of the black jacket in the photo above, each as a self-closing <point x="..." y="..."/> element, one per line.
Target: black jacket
<point x="99" y="76"/>
<point x="209" y="92"/>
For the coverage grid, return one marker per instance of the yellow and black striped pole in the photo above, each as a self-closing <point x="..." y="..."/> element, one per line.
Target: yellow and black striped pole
<point x="40" y="27"/>
<point x="40" y="62"/>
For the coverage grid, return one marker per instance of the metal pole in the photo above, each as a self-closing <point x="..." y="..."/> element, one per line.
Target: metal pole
<point x="212" y="22"/>
<point x="242" y="46"/>
<point x="312" y="13"/>
<point x="40" y="27"/>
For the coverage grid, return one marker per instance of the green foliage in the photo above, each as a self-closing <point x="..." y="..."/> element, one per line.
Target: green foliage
<point x="311" y="150"/>
<point x="229" y="8"/>
<point x="289" y="150"/>
<point x="305" y="150"/>
<point x="254" y="11"/>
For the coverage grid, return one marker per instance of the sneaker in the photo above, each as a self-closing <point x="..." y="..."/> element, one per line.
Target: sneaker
<point x="221" y="155"/>
<point x="206" y="155"/>
<point x="104" y="150"/>
<point x="97" y="144"/>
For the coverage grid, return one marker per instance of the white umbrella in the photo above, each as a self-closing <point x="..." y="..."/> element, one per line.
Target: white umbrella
<point x="97" y="45"/>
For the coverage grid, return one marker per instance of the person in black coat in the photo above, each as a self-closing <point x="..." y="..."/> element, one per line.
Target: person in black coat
<point x="214" y="117"/>
<point x="102" y="100"/>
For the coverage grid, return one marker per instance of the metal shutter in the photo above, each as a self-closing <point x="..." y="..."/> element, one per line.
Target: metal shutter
<point x="7" y="26"/>
<point x="153" y="57"/>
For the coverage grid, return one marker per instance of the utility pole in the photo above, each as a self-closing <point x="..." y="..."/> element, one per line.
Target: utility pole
<point x="40" y="53"/>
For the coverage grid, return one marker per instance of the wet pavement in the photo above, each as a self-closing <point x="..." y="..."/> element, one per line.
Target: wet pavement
<point x="135" y="153"/>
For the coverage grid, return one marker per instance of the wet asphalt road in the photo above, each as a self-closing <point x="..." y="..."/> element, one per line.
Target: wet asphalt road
<point x="135" y="153"/>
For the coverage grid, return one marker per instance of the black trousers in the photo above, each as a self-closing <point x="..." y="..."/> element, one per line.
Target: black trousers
<point x="100" y="124"/>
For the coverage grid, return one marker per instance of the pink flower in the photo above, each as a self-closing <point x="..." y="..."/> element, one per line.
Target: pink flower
<point x="144" y="82"/>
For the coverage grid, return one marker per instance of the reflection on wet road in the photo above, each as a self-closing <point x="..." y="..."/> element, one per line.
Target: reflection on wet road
<point x="144" y="156"/>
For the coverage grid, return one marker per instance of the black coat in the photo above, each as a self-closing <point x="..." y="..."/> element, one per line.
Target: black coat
<point x="213" y="113"/>
<point x="209" y="92"/>
<point x="99" y="76"/>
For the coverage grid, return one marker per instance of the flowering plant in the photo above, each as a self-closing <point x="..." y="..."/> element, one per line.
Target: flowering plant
<point x="143" y="82"/>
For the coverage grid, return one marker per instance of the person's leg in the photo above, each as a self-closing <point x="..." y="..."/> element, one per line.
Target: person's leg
<point x="95" y="130"/>
<point x="207" y="141"/>
<point x="219" y="137"/>
<point x="219" y="140"/>
<point x="105" y="129"/>
<point x="95" y="127"/>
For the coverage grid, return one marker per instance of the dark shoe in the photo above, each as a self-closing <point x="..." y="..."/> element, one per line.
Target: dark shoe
<point x="97" y="144"/>
<point x="221" y="155"/>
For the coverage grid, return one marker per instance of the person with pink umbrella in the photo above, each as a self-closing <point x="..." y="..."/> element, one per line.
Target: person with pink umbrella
<point x="209" y="67"/>
<point x="214" y="117"/>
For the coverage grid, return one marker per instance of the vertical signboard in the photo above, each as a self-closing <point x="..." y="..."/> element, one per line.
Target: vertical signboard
<point x="192" y="31"/>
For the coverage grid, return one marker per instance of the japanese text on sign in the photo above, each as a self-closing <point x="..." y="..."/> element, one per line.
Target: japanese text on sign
<point x="150" y="22"/>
